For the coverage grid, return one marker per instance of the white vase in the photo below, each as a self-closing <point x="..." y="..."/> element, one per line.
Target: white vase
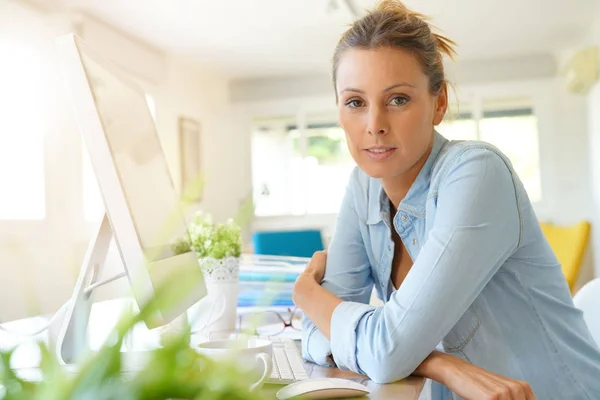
<point x="215" y="315"/>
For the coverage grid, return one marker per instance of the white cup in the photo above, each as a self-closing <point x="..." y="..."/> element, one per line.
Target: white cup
<point x="249" y="354"/>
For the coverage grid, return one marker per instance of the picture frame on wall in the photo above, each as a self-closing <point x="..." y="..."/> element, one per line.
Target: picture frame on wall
<point x="190" y="143"/>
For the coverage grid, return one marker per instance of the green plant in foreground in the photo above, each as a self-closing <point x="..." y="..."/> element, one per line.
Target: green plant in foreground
<point x="174" y="371"/>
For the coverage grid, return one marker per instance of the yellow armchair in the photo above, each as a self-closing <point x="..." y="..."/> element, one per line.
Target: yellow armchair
<point x="569" y="244"/>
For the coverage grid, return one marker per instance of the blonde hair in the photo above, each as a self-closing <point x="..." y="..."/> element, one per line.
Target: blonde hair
<point x="392" y="24"/>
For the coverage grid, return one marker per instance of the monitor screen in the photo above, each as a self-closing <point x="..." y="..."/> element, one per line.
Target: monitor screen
<point x="138" y="157"/>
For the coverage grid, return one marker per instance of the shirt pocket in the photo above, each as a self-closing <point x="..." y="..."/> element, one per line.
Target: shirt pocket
<point x="462" y="333"/>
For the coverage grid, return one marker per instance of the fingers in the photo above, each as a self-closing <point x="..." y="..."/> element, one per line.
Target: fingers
<point x="475" y="383"/>
<point x="515" y="389"/>
<point x="520" y="390"/>
<point x="316" y="265"/>
<point x="517" y="392"/>
<point x="320" y="254"/>
<point x="529" y="395"/>
<point x="318" y="260"/>
<point x="511" y="390"/>
<point x="501" y="393"/>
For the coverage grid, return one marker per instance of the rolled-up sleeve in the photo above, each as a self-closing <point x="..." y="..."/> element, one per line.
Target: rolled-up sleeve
<point x="347" y="273"/>
<point x="476" y="229"/>
<point x="345" y="320"/>
<point x="315" y="346"/>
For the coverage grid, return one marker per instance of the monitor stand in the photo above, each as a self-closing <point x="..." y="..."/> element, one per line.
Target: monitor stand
<point x="71" y="339"/>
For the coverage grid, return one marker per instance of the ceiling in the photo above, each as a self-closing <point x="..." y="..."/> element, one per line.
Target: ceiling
<point x="250" y="38"/>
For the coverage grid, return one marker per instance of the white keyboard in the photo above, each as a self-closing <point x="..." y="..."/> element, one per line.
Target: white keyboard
<point x="288" y="365"/>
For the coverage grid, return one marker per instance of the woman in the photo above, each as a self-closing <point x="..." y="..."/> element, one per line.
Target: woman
<point x="446" y="234"/>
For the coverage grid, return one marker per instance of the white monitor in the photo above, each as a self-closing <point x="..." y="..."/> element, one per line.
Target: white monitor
<point x="142" y="207"/>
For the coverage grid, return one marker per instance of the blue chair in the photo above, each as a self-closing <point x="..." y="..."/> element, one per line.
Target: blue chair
<point x="299" y="243"/>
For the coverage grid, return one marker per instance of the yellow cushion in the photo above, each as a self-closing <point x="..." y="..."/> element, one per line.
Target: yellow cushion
<point x="569" y="244"/>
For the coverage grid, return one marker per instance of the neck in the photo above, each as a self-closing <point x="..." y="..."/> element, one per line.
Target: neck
<point x="397" y="187"/>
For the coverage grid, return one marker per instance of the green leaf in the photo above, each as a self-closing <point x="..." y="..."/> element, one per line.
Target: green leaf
<point x="211" y="240"/>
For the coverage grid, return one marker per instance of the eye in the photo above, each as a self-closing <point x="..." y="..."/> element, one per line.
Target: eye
<point x="399" y="100"/>
<point x="354" y="103"/>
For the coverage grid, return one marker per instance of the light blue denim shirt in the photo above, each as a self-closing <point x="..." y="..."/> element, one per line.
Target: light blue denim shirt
<point x="484" y="286"/>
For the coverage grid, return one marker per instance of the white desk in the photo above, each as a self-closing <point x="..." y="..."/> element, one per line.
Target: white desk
<point x="408" y="389"/>
<point x="103" y="318"/>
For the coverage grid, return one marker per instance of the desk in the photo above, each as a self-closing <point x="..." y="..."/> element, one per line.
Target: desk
<point x="408" y="389"/>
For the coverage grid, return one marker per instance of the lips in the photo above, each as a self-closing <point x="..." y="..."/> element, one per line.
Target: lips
<point x="380" y="150"/>
<point x="379" y="153"/>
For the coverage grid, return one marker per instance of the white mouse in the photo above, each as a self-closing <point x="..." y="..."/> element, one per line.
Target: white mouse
<point x="323" y="388"/>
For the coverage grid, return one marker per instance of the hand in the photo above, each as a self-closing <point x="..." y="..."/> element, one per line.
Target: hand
<point x="312" y="274"/>
<point x="316" y="266"/>
<point x="314" y="300"/>
<point x="471" y="382"/>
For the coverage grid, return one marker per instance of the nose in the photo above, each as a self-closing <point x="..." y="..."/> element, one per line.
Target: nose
<point x="379" y="131"/>
<point x="378" y="123"/>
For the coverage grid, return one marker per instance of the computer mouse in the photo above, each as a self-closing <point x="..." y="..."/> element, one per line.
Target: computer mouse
<point x="322" y="388"/>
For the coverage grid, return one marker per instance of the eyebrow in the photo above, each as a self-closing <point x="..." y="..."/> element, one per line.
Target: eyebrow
<point x="350" y="89"/>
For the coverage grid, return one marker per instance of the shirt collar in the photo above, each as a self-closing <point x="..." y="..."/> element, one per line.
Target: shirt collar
<point x="416" y="198"/>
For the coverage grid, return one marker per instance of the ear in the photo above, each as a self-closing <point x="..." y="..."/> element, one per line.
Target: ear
<point x="441" y="104"/>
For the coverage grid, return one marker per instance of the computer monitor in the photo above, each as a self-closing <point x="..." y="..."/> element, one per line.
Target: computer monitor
<point x="143" y="211"/>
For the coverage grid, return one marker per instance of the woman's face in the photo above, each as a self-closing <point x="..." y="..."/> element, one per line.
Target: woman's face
<point x="386" y="109"/>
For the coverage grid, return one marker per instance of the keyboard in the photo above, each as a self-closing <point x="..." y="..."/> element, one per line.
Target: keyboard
<point x="288" y="365"/>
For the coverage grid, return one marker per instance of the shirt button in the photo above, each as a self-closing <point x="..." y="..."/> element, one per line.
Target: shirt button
<point x="414" y="242"/>
<point x="404" y="218"/>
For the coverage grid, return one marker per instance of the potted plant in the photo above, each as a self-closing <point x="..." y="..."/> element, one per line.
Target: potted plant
<point x="218" y="247"/>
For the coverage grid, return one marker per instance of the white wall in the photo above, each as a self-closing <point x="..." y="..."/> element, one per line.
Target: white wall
<point x="462" y="72"/>
<point x="580" y="113"/>
<point x="593" y="104"/>
<point x="203" y="95"/>
<point x="567" y="169"/>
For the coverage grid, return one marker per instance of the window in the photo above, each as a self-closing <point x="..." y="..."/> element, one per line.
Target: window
<point x="459" y="123"/>
<point x="22" y="172"/>
<point x="510" y="125"/>
<point x="299" y="171"/>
